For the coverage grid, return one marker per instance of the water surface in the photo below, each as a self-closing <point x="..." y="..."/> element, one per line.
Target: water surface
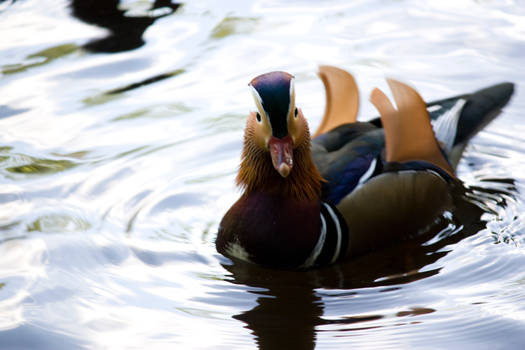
<point x="121" y="131"/>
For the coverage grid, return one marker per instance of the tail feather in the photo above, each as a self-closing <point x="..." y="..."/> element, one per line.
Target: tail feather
<point x="481" y="108"/>
<point x="342" y="98"/>
<point x="457" y="119"/>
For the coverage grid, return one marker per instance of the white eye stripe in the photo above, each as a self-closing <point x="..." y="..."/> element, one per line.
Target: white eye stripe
<point x="258" y="103"/>
<point x="291" y="106"/>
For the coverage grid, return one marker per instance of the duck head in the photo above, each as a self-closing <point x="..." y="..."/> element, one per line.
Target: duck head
<point x="279" y="125"/>
<point x="276" y="149"/>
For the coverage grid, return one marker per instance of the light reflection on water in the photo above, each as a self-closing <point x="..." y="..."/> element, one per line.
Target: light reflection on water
<point x="117" y="166"/>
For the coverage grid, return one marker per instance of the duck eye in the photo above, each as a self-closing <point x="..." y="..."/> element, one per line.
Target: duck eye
<point x="296" y="112"/>
<point x="258" y="117"/>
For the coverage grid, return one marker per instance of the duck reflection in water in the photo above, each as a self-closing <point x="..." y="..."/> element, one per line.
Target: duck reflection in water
<point x="125" y="31"/>
<point x="290" y="304"/>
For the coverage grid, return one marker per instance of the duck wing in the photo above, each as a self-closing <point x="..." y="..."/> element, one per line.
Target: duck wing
<point x="346" y="157"/>
<point x="343" y="149"/>
<point x="415" y="185"/>
<point x="347" y="152"/>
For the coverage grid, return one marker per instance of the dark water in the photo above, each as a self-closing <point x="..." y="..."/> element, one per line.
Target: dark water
<point x="121" y="127"/>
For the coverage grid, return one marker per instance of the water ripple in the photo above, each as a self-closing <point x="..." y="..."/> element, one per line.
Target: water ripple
<point x="116" y="167"/>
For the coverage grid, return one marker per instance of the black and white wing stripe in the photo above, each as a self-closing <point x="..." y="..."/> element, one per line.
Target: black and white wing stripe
<point x="445" y="126"/>
<point x="333" y="238"/>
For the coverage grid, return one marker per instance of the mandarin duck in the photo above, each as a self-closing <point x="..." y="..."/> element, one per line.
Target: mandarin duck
<point x="354" y="186"/>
